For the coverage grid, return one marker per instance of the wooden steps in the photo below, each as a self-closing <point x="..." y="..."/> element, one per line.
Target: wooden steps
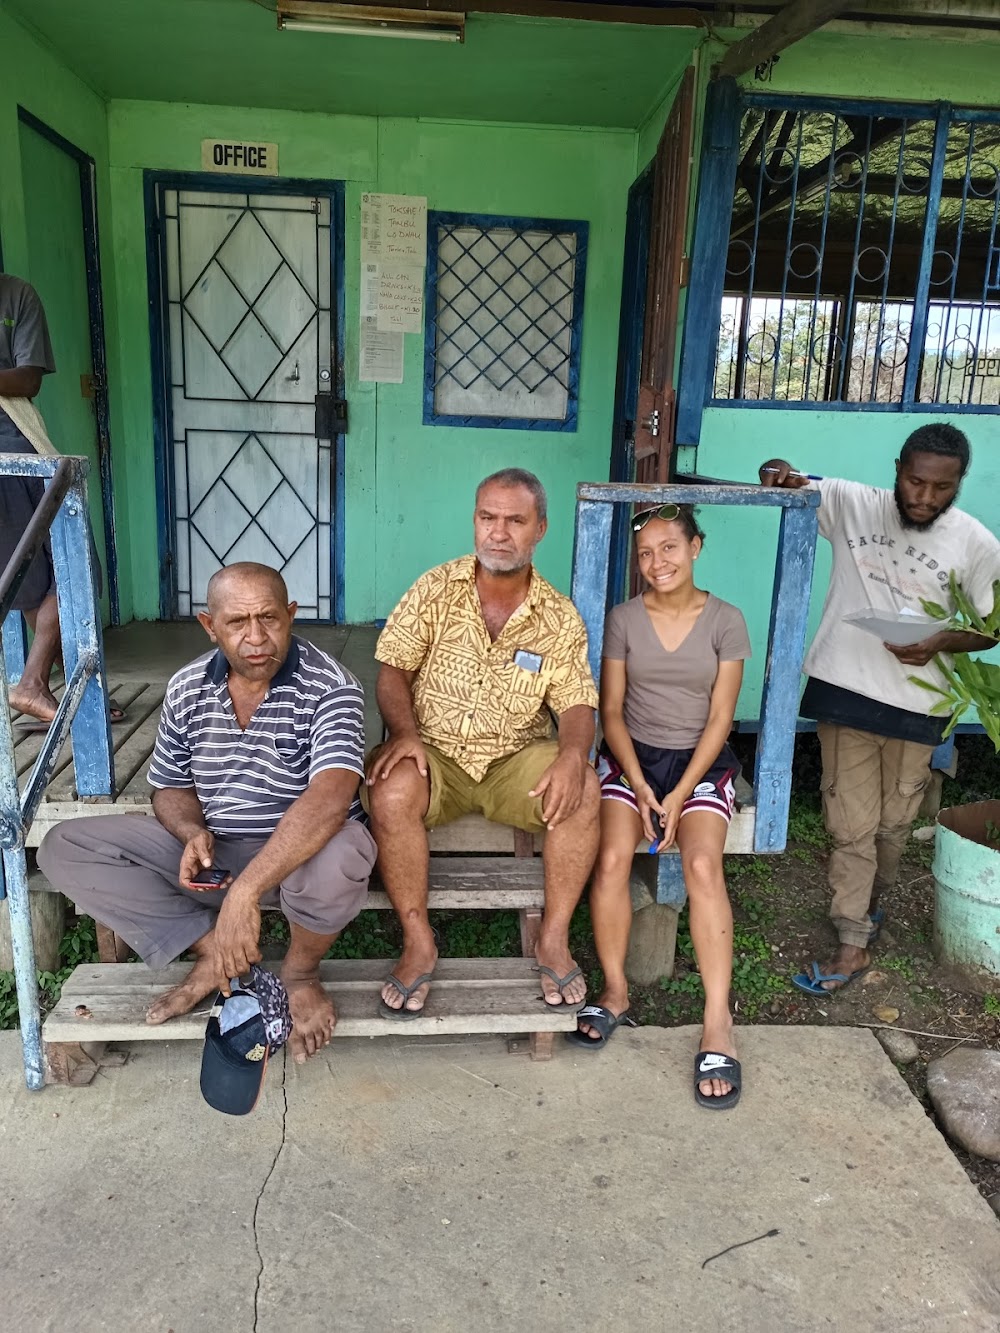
<point x="479" y="883"/>
<point x="104" y="1002"/>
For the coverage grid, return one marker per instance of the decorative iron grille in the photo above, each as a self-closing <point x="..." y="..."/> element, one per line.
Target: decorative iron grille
<point x="504" y="314"/>
<point x="863" y="263"/>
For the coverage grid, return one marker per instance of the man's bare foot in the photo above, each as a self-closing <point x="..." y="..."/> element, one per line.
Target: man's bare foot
<point x="845" y="962"/>
<point x="419" y="956"/>
<point x="717" y="1035"/>
<point x="313" y="1016"/>
<point x="614" y="998"/>
<point x="34" y="699"/>
<point x="554" y="953"/>
<point x="202" y="980"/>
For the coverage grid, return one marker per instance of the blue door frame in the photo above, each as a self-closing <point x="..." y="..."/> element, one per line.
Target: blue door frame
<point x="98" y="350"/>
<point x="638" y="220"/>
<point x="154" y="182"/>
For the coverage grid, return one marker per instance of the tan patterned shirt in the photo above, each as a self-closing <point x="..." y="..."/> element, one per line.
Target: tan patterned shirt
<point x="470" y="698"/>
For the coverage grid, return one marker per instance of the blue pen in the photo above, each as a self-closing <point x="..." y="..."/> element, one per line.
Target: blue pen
<point x="806" y="476"/>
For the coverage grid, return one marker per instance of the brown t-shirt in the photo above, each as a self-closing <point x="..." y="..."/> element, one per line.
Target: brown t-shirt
<point x="667" y="695"/>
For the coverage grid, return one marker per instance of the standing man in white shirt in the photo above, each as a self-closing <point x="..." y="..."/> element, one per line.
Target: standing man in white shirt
<point x="891" y="551"/>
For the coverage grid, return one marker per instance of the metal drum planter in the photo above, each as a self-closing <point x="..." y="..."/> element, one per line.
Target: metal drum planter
<point x="967" y="889"/>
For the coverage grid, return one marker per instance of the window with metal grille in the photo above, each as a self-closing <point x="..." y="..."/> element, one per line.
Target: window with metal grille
<point x="863" y="264"/>
<point x="504" y="319"/>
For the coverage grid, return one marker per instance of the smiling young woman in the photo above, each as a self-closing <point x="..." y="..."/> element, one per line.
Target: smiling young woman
<point x="670" y="678"/>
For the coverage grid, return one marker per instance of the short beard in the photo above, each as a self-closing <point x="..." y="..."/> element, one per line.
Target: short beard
<point x="491" y="567"/>
<point x="911" y="523"/>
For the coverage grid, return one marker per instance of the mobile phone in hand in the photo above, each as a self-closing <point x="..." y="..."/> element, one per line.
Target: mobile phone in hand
<point x="209" y="877"/>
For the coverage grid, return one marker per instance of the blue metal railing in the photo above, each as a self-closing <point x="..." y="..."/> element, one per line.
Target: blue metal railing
<point x="83" y="710"/>
<point x="786" y="634"/>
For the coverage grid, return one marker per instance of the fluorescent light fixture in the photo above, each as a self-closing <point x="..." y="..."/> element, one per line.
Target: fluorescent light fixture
<point x="426" y="25"/>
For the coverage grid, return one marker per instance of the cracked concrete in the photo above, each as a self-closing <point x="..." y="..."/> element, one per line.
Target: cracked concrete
<point x="436" y="1186"/>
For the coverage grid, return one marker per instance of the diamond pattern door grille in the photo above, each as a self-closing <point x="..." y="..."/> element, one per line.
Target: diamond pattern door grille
<point x="249" y="293"/>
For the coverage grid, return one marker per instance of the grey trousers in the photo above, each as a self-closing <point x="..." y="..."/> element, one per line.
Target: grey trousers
<point x="122" y="870"/>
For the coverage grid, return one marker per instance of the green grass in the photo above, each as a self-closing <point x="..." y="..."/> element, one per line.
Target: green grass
<point x="805" y="822"/>
<point x="991" y="1005"/>
<point x="78" y="945"/>
<point x="901" y="963"/>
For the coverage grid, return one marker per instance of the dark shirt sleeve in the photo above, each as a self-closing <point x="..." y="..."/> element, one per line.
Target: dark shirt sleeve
<point x="30" y="336"/>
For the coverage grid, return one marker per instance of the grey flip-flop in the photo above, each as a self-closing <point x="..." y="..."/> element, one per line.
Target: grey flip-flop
<point x="561" y="982"/>
<point x="402" y="1014"/>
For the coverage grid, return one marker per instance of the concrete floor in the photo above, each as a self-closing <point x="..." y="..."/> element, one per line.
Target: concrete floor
<point x="450" y="1187"/>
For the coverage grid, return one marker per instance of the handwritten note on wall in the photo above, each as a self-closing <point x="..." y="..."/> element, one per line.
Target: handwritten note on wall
<point x="393" y="258"/>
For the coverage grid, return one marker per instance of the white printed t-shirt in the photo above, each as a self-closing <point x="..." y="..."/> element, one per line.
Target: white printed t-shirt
<point x="880" y="564"/>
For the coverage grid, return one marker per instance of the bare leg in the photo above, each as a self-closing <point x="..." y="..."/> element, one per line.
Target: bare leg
<point x="202" y="980"/>
<point x="313" y="1014"/>
<point x="398" y="805"/>
<point x="31" y="694"/>
<point x="568" y="856"/>
<point x="701" y="837"/>
<point x="611" y="902"/>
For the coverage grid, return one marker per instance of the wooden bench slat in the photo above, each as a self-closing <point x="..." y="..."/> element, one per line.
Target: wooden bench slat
<point x="144" y="704"/>
<point x="470" y="995"/>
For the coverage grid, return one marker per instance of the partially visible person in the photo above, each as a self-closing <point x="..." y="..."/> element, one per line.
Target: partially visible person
<point x="25" y="357"/>
<point x="892" y="550"/>
<point x="670" y="678"/>
<point x="475" y="659"/>
<point x="256" y="768"/>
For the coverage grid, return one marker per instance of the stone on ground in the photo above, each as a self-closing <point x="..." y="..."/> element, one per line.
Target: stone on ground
<point x="964" y="1086"/>
<point x="898" y="1046"/>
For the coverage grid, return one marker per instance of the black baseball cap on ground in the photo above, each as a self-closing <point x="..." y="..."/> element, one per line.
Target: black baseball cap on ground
<point x="243" y="1031"/>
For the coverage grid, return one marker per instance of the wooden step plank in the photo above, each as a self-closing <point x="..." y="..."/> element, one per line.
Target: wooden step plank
<point x="145" y="701"/>
<point x="469" y="995"/>
<point x="473" y="833"/>
<point x="26" y="752"/>
<point x="471" y="900"/>
<point x="134" y="753"/>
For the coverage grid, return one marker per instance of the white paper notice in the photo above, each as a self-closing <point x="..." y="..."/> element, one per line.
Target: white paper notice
<point x="381" y="354"/>
<point x="400" y="298"/>
<point x="394" y="229"/>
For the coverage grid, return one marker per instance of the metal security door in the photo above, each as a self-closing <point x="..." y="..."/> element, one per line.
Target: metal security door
<point x="250" y="359"/>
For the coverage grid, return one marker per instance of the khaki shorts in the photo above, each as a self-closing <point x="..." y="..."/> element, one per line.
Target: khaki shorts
<point x="502" y="796"/>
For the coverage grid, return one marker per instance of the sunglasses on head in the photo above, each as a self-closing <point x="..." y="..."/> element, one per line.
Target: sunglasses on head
<point x="667" y="512"/>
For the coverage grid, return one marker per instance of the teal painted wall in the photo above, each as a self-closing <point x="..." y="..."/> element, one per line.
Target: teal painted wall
<point x="409" y="488"/>
<point x="29" y="182"/>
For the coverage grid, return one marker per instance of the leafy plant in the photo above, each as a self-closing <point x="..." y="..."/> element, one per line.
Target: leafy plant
<point x="970" y="682"/>
<point x="991" y="1005"/>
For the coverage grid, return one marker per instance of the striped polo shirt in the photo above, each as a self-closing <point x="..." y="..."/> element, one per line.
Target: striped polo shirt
<point x="311" y="719"/>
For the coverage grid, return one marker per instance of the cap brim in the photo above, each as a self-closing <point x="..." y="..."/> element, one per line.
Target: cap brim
<point x="229" y="1083"/>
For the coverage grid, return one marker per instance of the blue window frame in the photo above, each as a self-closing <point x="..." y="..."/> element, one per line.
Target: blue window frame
<point x="852" y="252"/>
<point x="504" y="318"/>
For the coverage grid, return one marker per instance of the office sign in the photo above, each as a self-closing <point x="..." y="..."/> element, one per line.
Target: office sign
<point x="248" y="159"/>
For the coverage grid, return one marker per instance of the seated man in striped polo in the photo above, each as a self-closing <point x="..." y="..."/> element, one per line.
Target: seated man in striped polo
<point x="256" y="768"/>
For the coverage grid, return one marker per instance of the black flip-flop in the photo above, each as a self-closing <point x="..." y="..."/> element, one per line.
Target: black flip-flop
<point x="597" y="1016"/>
<point x="560" y="983"/>
<point x="36" y="725"/>
<point x="713" y="1064"/>
<point x="402" y="1014"/>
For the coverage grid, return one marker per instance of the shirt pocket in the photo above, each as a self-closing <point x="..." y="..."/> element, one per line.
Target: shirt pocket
<point x="293" y="753"/>
<point x="521" y="692"/>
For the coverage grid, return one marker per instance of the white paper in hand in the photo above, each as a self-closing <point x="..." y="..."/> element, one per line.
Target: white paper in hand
<point x="905" y="628"/>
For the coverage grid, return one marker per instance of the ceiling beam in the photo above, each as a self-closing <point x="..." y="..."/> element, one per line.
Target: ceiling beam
<point x="798" y="19"/>
<point x="651" y="16"/>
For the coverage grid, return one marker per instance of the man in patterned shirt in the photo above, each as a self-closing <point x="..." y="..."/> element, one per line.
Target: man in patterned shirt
<point x="256" y="770"/>
<point x="473" y="659"/>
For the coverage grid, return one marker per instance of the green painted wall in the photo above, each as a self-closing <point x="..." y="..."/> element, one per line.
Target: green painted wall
<point x="31" y="182"/>
<point x="409" y="487"/>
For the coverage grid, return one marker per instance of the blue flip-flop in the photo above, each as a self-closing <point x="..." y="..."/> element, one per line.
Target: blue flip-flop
<point x="811" y="981"/>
